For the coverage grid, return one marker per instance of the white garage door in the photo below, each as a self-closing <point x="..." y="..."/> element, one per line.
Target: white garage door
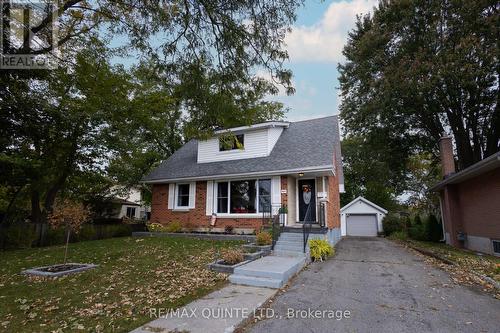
<point x="361" y="225"/>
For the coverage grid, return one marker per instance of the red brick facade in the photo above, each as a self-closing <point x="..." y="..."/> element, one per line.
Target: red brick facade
<point x="284" y="186"/>
<point x="473" y="207"/>
<point x="333" y="205"/>
<point x="193" y="218"/>
<point x="197" y="218"/>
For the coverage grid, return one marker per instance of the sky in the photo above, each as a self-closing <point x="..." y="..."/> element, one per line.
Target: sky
<point x="315" y="49"/>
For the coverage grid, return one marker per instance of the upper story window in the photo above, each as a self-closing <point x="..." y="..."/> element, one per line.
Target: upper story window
<point x="182" y="195"/>
<point x="231" y="142"/>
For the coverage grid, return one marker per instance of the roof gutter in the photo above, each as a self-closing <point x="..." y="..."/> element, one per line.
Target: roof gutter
<point x="326" y="168"/>
<point x="489" y="163"/>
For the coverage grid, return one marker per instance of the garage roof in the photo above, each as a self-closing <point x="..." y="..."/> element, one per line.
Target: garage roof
<point x="368" y="202"/>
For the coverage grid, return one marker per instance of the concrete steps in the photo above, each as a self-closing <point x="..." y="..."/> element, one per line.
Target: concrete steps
<point x="271" y="271"/>
<point x="290" y="244"/>
<point x="256" y="281"/>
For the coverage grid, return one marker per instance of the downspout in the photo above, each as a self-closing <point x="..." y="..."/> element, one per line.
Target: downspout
<point x="442" y="219"/>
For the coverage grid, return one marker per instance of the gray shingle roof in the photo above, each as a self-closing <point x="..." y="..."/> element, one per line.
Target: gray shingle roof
<point x="304" y="144"/>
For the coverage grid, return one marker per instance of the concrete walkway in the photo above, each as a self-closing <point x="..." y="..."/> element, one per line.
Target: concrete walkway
<point x="384" y="288"/>
<point x="218" y="312"/>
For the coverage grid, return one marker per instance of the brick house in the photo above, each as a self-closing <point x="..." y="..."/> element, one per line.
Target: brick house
<point x="470" y="202"/>
<point x="242" y="176"/>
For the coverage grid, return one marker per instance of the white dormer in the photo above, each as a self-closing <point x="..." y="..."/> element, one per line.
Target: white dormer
<point x="253" y="141"/>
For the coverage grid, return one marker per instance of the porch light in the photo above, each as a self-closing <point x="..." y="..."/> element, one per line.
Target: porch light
<point x="301" y="174"/>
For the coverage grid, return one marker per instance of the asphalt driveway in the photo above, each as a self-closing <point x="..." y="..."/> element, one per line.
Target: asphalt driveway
<point x="384" y="288"/>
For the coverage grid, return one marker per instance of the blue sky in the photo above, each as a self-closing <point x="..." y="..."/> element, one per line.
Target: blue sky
<point x="315" y="45"/>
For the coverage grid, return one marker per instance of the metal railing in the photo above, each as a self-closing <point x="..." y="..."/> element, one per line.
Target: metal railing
<point x="276" y="229"/>
<point x="307" y="224"/>
<point x="272" y="220"/>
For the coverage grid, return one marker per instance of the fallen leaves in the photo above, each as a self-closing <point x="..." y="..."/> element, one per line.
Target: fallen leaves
<point x="132" y="277"/>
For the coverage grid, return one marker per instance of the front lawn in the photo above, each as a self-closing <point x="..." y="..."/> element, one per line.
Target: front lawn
<point x="133" y="276"/>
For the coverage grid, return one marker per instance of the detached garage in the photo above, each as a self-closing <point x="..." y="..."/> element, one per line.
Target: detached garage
<point x="361" y="217"/>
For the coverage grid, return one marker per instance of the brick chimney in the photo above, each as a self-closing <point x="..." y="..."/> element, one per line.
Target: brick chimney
<point x="446" y="151"/>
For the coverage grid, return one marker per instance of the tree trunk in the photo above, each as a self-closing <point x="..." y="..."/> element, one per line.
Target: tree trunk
<point x="68" y="232"/>
<point x="37" y="218"/>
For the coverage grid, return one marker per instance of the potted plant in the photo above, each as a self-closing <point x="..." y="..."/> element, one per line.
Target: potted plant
<point x="263" y="242"/>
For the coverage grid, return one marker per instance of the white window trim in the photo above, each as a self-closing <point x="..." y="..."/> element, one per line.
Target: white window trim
<point x="130" y="207"/>
<point x="240" y="215"/>
<point x="176" y="197"/>
<point x="235" y="150"/>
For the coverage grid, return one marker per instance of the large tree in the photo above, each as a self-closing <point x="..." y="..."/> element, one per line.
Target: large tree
<point x="229" y="35"/>
<point x="422" y="68"/>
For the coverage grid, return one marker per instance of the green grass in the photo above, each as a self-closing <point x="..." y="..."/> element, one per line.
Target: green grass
<point x="469" y="260"/>
<point x="133" y="276"/>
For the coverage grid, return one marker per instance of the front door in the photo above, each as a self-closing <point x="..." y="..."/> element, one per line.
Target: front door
<point x="307" y="197"/>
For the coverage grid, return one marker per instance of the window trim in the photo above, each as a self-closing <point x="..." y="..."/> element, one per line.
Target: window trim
<point x="176" y="196"/>
<point x="258" y="213"/>
<point x="235" y="149"/>
<point x="131" y="208"/>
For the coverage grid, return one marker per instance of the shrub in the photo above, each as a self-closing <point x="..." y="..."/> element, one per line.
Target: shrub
<point x="229" y="229"/>
<point x="264" y="238"/>
<point x="392" y="223"/>
<point x="434" y="229"/>
<point x="155" y="227"/>
<point x="174" y="226"/>
<point x="417" y="232"/>
<point x="399" y="235"/>
<point x="232" y="256"/>
<point x="320" y="249"/>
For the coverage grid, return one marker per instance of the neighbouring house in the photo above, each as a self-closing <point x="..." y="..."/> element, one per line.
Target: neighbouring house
<point x="361" y="217"/>
<point x="470" y="202"/>
<point x="242" y="176"/>
<point x="124" y="204"/>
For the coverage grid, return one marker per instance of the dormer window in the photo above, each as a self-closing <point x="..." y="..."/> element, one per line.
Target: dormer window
<point x="231" y="142"/>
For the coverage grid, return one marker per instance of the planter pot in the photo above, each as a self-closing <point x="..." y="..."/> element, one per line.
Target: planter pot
<point x="253" y="256"/>
<point x="284" y="219"/>
<point x="218" y="266"/>
<point x="265" y="249"/>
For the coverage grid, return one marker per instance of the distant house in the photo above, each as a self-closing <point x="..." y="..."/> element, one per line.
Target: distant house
<point x="470" y="202"/>
<point x="124" y="205"/>
<point x="242" y="176"/>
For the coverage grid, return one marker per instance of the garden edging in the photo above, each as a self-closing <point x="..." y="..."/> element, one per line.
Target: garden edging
<point x="220" y="237"/>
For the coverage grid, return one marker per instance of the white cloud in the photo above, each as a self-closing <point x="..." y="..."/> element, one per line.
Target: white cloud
<point x="323" y="41"/>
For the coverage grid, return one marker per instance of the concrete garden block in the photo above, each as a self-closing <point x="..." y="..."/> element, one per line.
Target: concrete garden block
<point x="219" y="266"/>
<point x="58" y="270"/>
<point x="266" y="249"/>
<point x="253" y="255"/>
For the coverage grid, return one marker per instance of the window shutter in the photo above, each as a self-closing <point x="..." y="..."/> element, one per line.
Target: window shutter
<point x="171" y="196"/>
<point x="210" y="197"/>
<point x="192" y="194"/>
<point x="276" y="192"/>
